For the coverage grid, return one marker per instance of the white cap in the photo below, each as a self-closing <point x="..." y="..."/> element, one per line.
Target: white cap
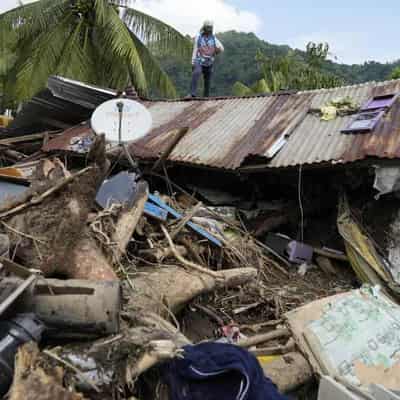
<point x="208" y="23"/>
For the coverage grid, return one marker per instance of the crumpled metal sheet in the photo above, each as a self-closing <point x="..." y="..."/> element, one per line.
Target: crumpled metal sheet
<point x="364" y="258"/>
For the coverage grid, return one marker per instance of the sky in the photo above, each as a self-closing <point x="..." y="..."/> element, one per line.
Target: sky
<point x="356" y="30"/>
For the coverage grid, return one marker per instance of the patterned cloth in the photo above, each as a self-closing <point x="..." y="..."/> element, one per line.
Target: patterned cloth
<point x="205" y="49"/>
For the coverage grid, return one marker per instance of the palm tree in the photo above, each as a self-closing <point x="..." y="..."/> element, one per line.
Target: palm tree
<point x="103" y="42"/>
<point x="290" y="72"/>
<point x="395" y="74"/>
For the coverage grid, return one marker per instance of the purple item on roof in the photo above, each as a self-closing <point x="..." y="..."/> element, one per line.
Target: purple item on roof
<point x="379" y="102"/>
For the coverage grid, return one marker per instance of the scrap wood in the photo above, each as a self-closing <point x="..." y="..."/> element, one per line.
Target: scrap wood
<point x="233" y="226"/>
<point x="36" y="199"/>
<point x="257" y="327"/>
<point x="182" y="222"/>
<point x="191" y="249"/>
<point x="17" y="292"/>
<point x="187" y="263"/>
<point x="326" y="265"/>
<point x="35" y="379"/>
<point x="194" y="227"/>
<point x="158" y="254"/>
<point x="12" y="155"/>
<point x="26" y="138"/>
<point x="69" y="249"/>
<point x="275" y="350"/>
<point x="264" y="337"/>
<point x="180" y="134"/>
<point x="128" y="220"/>
<point x="330" y="254"/>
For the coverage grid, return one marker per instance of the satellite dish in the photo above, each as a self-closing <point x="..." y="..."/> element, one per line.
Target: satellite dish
<point x="121" y="120"/>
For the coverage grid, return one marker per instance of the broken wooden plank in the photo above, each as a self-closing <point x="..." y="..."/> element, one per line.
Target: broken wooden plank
<point x="326" y="265"/>
<point x="194" y="227"/>
<point x="19" y="139"/>
<point x="331" y="254"/>
<point x="177" y="138"/>
<point x="151" y="210"/>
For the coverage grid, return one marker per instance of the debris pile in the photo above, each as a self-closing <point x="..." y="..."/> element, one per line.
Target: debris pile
<point x="118" y="283"/>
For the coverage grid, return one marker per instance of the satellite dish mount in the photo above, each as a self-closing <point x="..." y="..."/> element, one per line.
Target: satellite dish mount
<point x="122" y="121"/>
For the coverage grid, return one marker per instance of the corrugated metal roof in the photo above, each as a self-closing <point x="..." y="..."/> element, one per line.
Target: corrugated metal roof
<point x="227" y="132"/>
<point x="223" y="132"/>
<point x="63" y="142"/>
<point x="315" y="141"/>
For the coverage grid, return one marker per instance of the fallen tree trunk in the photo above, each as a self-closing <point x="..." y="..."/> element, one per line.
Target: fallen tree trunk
<point x="128" y="220"/>
<point x="49" y="229"/>
<point x="173" y="287"/>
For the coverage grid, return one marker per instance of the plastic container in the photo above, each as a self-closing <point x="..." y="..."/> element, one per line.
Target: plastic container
<point x="14" y="333"/>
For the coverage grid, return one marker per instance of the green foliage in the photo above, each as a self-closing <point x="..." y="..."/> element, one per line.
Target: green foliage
<point x="237" y="64"/>
<point x="290" y="72"/>
<point x="395" y="74"/>
<point x="239" y="89"/>
<point x="316" y="54"/>
<point x="87" y="40"/>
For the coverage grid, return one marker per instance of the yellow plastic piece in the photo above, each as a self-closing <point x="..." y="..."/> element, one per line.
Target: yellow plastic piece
<point x="5" y="121"/>
<point x="266" y="359"/>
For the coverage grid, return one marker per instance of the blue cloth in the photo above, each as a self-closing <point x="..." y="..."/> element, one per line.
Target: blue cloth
<point x="218" y="371"/>
<point x="206" y="50"/>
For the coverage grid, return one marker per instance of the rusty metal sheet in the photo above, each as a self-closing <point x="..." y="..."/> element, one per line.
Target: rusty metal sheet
<point x="64" y="142"/>
<point x="277" y="130"/>
<point x="222" y="132"/>
<point x="315" y="141"/>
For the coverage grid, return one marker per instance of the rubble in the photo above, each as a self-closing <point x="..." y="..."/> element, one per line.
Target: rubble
<point x="132" y="267"/>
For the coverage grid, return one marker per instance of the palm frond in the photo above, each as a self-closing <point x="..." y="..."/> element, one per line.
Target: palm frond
<point x="156" y="77"/>
<point x="155" y="33"/>
<point x="261" y="87"/>
<point x="118" y="40"/>
<point x="74" y="61"/>
<point x="33" y="18"/>
<point x="240" y="89"/>
<point x="114" y="71"/>
<point x="44" y="56"/>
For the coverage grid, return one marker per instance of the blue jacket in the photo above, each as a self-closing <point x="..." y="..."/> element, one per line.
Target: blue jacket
<point x="218" y="371"/>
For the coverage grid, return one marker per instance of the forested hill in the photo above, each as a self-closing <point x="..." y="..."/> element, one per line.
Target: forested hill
<point x="238" y="64"/>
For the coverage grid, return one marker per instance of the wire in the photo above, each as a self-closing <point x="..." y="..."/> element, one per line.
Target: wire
<point x="301" y="204"/>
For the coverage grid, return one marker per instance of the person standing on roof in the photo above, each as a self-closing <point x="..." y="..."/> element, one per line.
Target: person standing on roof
<point x="206" y="47"/>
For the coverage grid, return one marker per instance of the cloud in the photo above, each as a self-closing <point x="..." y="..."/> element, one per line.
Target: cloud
<point x="6" y="5"/>
<point x="346" y="47"/>
<point x="187" y="16"/>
